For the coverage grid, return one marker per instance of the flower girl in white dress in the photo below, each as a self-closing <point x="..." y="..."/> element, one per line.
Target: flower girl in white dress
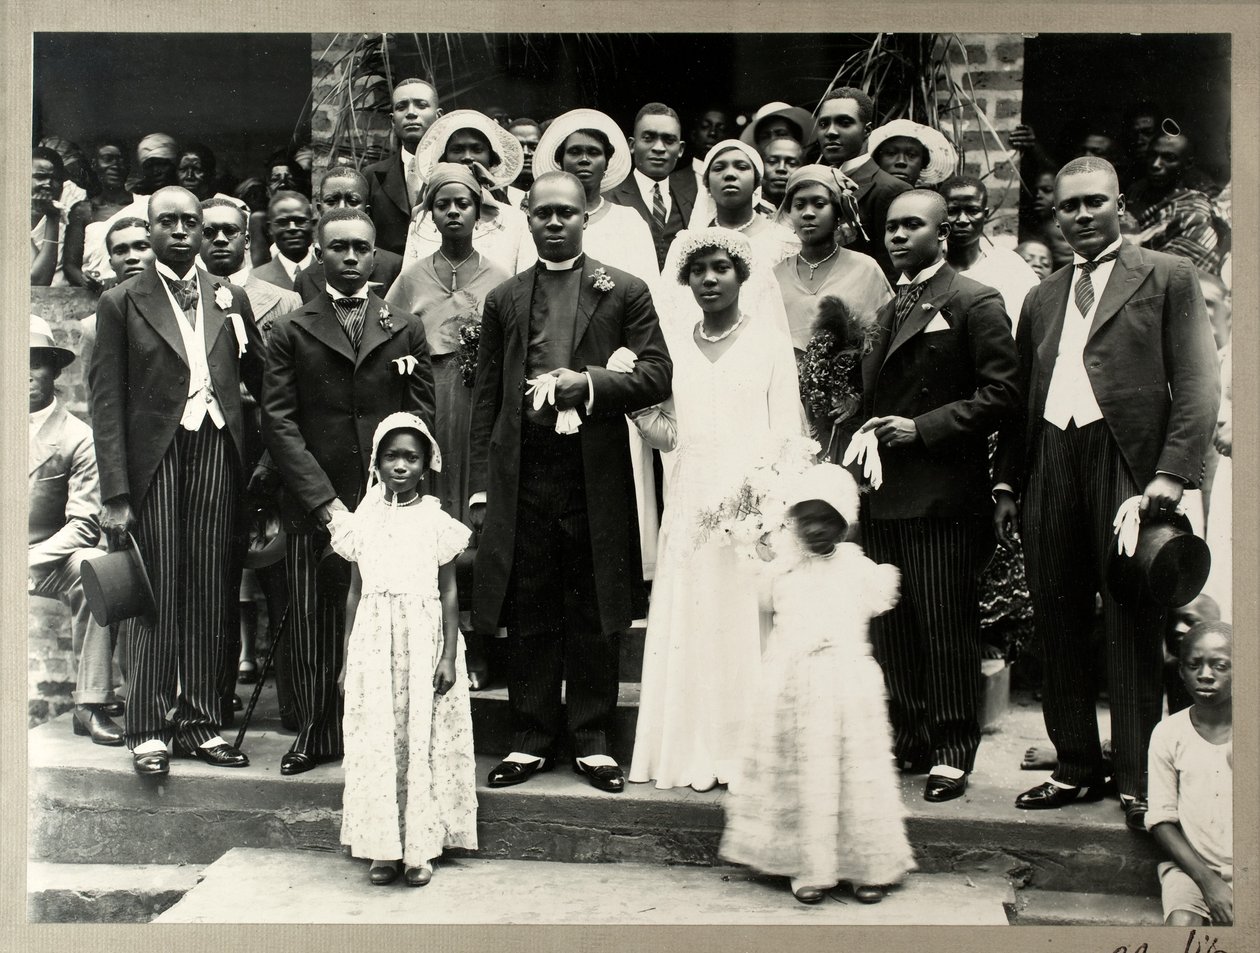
<point x="410" y="776"/>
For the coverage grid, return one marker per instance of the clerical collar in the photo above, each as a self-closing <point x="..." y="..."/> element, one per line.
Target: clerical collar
<point x="167" y="271"/>
<point x="567" y="265"/>
<point x="335" y="294"/>
<point x="849" y="166"/>
<point x="1078" y="258"/>
<point x="922" y="276"/>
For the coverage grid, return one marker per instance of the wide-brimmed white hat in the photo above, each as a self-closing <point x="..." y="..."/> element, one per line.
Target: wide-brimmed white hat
<point x="942" y="158"/>
<point x="508" y="148"/>
<point x="573" y="121"/>
<point x="801" y="118"/>
<point x="42" y="340"/>
<point x="827" y="482"/>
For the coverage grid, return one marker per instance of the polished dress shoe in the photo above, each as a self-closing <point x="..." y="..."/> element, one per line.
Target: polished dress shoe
<point x="297" y="762"/>
<point x="247" y="672"/>
<point x="1047" y="796"/>
<point x="418" y="876"/>
<point x="807" y="893"/>
<point x="91" y="721"/>
<point x="478" y="678"/>
<point x="940" y="788"/>
<point x="381" y="874"/>
<point x="868" y="893"/>
<point x="605" y="777"/>
<point x="152" y="764"/>
<point x="222" y="756"/>
<point x="507" y="773"/>
<point x="1134" y="813"/>
<point x="113" y="709"/>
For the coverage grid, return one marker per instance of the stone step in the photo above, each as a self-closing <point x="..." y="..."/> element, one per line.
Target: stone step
<point x="333" y="888"/>
<point x="1049" y="908"/>
<point x="87" y="806"/>
<point x="105" y="893"/>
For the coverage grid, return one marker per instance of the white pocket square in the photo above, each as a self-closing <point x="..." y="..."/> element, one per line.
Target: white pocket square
<point x="938" y="323"/>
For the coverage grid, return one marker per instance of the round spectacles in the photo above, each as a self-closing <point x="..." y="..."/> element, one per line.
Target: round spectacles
<point x="229" y="231"/>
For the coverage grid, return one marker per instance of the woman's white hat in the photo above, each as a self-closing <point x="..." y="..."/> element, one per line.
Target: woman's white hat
<point x="574" y="120"/>
<point x="508" y="148"/>
<point x="942" y="158"/>
<point x="801" y="118"/>
<point x="830" y="483"/>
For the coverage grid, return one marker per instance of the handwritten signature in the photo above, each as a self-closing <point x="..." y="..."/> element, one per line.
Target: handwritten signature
<point x="1195" y="943"/>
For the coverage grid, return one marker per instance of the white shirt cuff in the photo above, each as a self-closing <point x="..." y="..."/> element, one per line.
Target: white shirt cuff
<point x="590" y="392"/>
<point x="476" y="499"/>
<point x="1003" y="486"/>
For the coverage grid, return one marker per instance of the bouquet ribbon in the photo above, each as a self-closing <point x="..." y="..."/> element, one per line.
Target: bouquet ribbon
<point x="864" y="448"/>
<point x="543" y="390"/>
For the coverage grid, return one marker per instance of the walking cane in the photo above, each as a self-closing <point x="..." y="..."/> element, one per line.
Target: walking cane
<point x="277" y="635"/>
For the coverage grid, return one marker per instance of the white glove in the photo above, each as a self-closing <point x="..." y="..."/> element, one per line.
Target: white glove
<point x="543" y="390"/>
<point x="622" y="360"/>
<point x="864" y="448"/>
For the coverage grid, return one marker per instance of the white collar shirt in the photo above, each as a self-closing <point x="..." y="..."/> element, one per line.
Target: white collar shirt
<point x="646" y="184"/>
<point x="201" y="400"/>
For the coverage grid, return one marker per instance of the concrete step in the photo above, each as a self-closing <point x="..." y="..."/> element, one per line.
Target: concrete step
<point x="105" y="893"/>
<point x="1049" y="908"/>
<point x="87" y="806"/>
<point x="311" y="887"/>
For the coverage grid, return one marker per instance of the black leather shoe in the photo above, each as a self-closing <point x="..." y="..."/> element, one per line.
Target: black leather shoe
<point x="1134" y="813"/>
<point x="113" y="709"/>
<point x="605" y="777"/>
<point x="236" y="703"/>
<point x="381" y="874"/>
<point x="809" y="894"/>
<point x="297" y="762"/>
<point x="868" y="893"/>
<point x="91" y="721"/>
<point x="418" y="876"/>
<point x="222" y="756"/>
<point x="153" y="764"/>
<point x="1047" y="796"/>
<point x="507" y="773"/>
<point x="940" y="788"/>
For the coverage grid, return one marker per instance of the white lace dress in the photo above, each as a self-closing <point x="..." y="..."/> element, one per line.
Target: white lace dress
<point x="819" y="798"/>
<point x="410" y="775"/>
<point x="702" y="655"/>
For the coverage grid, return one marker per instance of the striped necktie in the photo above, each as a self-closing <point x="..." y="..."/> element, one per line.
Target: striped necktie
<point x="350" y="314"/>
<point x="185" y="293"/>
<point x="1085" y="283"/>
<point x="907" y="297"/>
<point x="658" y="207"/>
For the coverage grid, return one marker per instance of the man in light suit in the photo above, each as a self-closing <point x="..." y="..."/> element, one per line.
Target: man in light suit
<point x="292" y="230"/>
<point x="64" y="498"/>
<point x="225" y="231"/>
<point x="336" y="367"/>
<point x="844" y="126"/>
<point x="661" y="194"/>
<point x="940" y="379"/>
<point x="173" y="346"/>
<point x="394" y="183"/>
<point x="559" y="556"/>
<point x="1120" y="374"/>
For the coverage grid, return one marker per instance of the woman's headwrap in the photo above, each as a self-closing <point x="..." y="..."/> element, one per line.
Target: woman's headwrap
<point x="156" y="145"/>
<point x="753" y="156"/>
<point x="730" y="241"/>
<point x="576" y="120"/>
<point x="705" y="209"/>
<point x="843" y="191"/>
<point x="446" y="173"/>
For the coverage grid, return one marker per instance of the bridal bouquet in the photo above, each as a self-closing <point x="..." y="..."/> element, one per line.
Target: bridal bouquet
<point x="830" y="370"/>
<point x="757" y="505"/>
<point x="469" y="340"/>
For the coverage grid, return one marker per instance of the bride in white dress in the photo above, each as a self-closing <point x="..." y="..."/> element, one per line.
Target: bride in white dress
<point x="735" y="399"/>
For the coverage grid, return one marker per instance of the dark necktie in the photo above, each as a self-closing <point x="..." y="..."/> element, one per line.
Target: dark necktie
<point x="658" y="207"/>
<point x="907" y="297"/>
<point x="185" y="294"/>
<point x="350" y="314"/>
<point x="1085" y="283"/>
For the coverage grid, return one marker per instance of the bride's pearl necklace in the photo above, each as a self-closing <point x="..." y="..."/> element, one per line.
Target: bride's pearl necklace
<point x="714" y="338"/>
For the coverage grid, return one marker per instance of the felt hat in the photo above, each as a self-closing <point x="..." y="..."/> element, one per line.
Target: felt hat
<point x="1168" y="568"/>
<point x="942" y="158"/>
<point x="505" y="145"/>
<point x="801" y="118"/>
<point x="42" y="341"/>
<point x="574" y="120"/>
<point x="267" y="539"/>
<point x="827" y="482"/>
<point x="116" y="586"/>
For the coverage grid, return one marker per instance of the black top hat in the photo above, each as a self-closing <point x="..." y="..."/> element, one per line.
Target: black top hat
<point x="1168" y="568"/>
<point x="116" y="586"/>
<point x="266" y="539"/>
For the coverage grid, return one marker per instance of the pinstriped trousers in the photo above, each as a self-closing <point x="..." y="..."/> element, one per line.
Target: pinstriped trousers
<point x="929" y="643"/>
<point x="1076" y="483"/>
<point x="313" y="651"/>
<point x="186" y="532"/>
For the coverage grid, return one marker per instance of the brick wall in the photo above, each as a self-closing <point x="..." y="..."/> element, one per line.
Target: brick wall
<point x="994" y="64"/>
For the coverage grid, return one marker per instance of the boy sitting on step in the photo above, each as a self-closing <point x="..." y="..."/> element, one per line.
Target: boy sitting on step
<point x="1190" y="786"/>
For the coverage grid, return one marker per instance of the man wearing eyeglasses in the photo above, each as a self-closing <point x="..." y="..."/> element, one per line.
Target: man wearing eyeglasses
<point x="292" y="229"/>
<point x="173" y="346"/>
<point x="225" y="241"/>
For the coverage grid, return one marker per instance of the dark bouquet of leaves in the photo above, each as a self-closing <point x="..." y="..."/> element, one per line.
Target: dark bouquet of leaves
<point x="469" y="340"/>
<point x="830" y="369"/>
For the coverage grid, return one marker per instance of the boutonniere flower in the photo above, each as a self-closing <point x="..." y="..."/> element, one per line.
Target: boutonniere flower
<point x="238" y="328"/>
<point x="603" y="281"/>
<point x="222" y="297"/>
<point x="405" y="364"/>
<point x="387" y="321"/>
<point x="926" y="306"/>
